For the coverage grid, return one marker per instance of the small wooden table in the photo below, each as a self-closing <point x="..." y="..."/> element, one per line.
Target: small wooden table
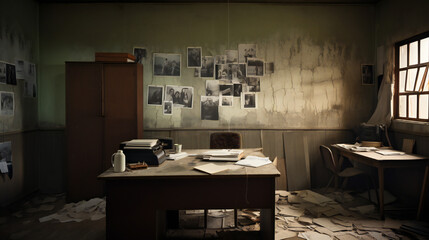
<point x="381" y="162"/>
<point x="137" y="201"/>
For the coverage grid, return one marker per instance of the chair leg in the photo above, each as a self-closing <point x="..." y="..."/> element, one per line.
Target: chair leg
<point x="329" y="183"/>
<point x="368" y="180"/>
<point x="205" y="218"/>
<point x="235" y="218"/>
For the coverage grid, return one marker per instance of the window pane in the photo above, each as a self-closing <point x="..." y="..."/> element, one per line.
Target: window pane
<point x="423" y="106"/>
<point x="413" y="52"/>
<point x="403" y="56"/>
<point x="420" y="78"/>
<point x="412" y="106"/>
<point x="424" y="50"/>
<point x="402" y="106"/>
<point x="411" y="79"/>
<point x="402" y="75"/>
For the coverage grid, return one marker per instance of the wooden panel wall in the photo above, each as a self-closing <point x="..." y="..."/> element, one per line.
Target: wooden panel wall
<point x="297" y="150"/>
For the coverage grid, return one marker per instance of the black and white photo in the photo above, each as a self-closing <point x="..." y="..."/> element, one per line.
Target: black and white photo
<point x="246" y="51"/>
<point x="221" y="71"/>
<point x="181" y="96"/>
<point x="194" y="57"/>
<point x="167" y="107"/>
<point x="140" y="54"/>
<point x="367" y="74"/>
<point x="10" y="74"/>
<point x="253" y="84"/>
<point x="220" y="59"/>
<point x="255" y="67"/>
<point x="212" y="87"/>
<point x="3" y="72"/>
<point x="231" y="56"/>
<point x="155" y="95"/>
<point x="30" y="85"/>
<point x="226" y="101"/>
<point x="269" y="68"/>
<point x="19" y="68"/>
<point x="209" y="108"/>
<point x="226" y="89"/>
<point x="249" y="100"/>
<point x="237" y="73"/>
<point x="166" y="64"/>
<point x="238" y="88"/>
<point x="6" y="158"/>
<point x="7" y="106"/>
<point x="207" y="67"/>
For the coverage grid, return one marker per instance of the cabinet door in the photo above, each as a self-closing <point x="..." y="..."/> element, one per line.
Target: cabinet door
<point x="123" y="88"/>
<point x="84" y="130"/>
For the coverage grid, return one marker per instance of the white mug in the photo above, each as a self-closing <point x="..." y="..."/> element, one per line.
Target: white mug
<point x="178" y="147"/>
<point x="118" y="161"/>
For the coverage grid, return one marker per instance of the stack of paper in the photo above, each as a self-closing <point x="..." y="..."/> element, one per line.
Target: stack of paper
<point x="177" y="156"/>
<point x="253" y="161"/>
<point x="223" y="155"/>
<point x="389" y="152"/>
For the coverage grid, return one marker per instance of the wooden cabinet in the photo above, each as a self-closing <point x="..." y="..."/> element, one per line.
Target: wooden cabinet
<point x="104" y="106"/>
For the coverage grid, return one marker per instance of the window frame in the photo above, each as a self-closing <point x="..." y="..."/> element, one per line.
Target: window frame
<point x="419" y="65"/>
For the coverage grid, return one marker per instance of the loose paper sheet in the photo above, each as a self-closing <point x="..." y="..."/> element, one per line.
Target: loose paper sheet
<point x="212" y="168"/>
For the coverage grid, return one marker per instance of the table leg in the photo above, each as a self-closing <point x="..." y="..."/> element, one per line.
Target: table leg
<point x="381" y="190"/>
<point x="267" y="223"/>
<point x="423" y="192"/>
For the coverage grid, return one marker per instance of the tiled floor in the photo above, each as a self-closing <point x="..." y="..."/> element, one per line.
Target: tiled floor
<point x="300" y="215"/>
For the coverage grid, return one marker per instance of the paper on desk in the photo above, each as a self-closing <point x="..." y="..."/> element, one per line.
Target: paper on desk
<point x="177" y="156"/>
<point x="253" y="161"/>
<point x="212" y="168"/>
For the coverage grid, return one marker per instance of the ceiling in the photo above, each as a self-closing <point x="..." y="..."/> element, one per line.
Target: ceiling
<point x="219" y="1"/>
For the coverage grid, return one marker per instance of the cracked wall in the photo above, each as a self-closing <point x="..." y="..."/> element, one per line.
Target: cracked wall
<point x="317" y="51"/>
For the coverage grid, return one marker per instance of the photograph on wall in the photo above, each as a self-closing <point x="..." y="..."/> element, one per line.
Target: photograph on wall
<point x="249" y="100"/>
<point x="197" y="72"/>
<point x="226" y="101"/>
<point x="154" y="95"/>
<point x="212" y="87"/>
<point x="207" y="67"/>
<point x="6" y="158"/>
<point x="220" y="59"/>
<point x="181" y="96"/>
<point x="167" y="107"/>
<point x="237" y="72"/>
<point x="7" y="106"/>
<point x="166" y="64"/>
<point x="140" y="54"/>
<point x="367" y="74"/>
<point x="246" y="51"/>
<point x="253" y="84"/>
<point x="255" y="67"/>
<point x="19" y="68"/>
<point x="226" y="89"/>
<point x="231" y="56"/>
<point x="269" y="68"/>
<point x="221" y="71"/>
<point x="3" y="72"/>
<point x="238" y="88"/>
<point x="209" y="108"/>
<point x="194" y="57"/>
<point x="30" y="85"/>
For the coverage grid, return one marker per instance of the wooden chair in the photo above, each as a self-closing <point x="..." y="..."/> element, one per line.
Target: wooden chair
<point x="331" y="164"/>
<point x="224" y="140"/>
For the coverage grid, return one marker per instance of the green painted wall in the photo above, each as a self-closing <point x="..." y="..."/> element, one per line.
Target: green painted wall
<point x="317" y="50"/>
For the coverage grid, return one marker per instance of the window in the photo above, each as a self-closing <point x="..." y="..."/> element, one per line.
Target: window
<point x="411" y="79"/>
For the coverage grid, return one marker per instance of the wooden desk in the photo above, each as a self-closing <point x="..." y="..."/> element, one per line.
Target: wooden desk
<point x="381" y="162"/>
<point x="136" y="202"/>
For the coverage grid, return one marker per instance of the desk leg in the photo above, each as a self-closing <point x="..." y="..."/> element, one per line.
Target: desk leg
<point x="423" y="192"/>
<point x="381" y="190"/>
<point x="267" y="223"/>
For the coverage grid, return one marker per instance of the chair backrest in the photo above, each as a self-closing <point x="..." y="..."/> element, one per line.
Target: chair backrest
<point x="328" y="158"/>
<point x="225" y="140"/>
